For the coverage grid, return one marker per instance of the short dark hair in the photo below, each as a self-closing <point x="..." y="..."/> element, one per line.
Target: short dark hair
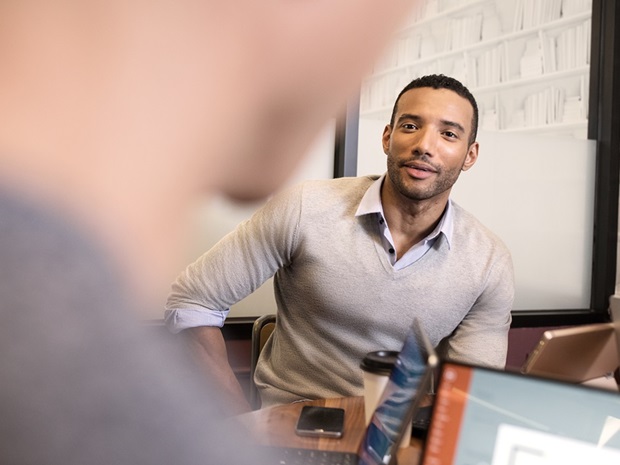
<point x="440" y="81"/>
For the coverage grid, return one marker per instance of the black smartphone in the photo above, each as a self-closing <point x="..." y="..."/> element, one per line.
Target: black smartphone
<point x="320" y="422"/>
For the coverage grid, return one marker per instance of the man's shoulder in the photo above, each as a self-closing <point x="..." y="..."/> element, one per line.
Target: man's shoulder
<point x="467" y="225"/>
<point x="319" y="196"/>
<point x="338" y="187"/>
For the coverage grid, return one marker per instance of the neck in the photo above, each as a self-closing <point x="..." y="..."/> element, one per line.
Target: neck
<point x="410" y="221"/>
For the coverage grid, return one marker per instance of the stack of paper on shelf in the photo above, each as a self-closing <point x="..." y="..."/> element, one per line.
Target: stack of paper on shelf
<point x="463" y="31"/>
<point x="532" y="13"/>
<point x="573" y="7"/>
<point x="545" y="107"/>
<point x="531" y="63"/>
<point x="573" y="109"/>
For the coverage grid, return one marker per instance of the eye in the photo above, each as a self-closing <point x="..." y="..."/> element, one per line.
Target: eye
<point x="451" y="135"/>
<point x="409" y="126"/>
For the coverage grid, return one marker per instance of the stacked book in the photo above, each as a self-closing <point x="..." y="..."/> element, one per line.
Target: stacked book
<point x="573" y="47"/>
<point x="490" y="67"/>
<point x="573" y="7"/>
<point x="532" y="13"/>
<point x="541" y="109"/>
<point x="567" y="50"/>
<point x="463" y="31"/>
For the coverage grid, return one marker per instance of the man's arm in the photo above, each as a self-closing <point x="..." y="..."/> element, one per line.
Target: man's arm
<point x="236" y="266"/>
<point x="231" y="270"/>
<point x="207" y="344"/>
<point x="482" y="336"/>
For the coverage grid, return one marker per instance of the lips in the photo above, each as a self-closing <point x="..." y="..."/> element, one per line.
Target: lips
<point x="420" y="170"/>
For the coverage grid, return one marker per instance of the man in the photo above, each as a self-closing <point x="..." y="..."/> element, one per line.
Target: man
<point x="116" y="117"/>
<point x="356" y="259"/>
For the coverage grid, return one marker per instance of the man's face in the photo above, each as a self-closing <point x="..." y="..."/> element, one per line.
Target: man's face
<point x="428" y="145"/>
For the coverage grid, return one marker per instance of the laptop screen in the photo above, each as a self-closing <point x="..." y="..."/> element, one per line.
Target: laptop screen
<point x="409" y="383"/>
<point x="484" y="416"/>
<point x="575" y="354"/>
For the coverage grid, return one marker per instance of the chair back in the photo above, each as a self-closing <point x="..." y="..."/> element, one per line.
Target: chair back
<point x="261" y="331"/>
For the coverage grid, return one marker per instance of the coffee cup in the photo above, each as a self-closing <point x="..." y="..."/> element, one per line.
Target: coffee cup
<point x="376" y="368"/>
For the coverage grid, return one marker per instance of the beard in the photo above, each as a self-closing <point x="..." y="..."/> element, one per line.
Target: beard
<point x="414" y="189"/>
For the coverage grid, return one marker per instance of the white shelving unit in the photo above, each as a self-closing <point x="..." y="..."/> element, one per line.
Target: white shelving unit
<point x="527" y="62"/>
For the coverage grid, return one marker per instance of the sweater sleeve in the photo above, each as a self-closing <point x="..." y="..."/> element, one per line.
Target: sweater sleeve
<point x="482" y="337"/>
<point x="237" y="265"/>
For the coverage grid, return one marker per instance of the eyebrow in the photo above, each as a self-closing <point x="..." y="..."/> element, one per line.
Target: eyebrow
<point x="452" y="124"/>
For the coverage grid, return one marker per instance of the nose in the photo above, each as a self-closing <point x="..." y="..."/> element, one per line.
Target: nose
<point x="424" y="142"/>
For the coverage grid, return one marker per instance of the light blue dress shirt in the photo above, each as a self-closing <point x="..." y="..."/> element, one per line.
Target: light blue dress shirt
<point x="371" y="205"/>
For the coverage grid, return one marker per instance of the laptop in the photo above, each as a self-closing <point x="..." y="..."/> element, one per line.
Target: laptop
<point x="493" y="417"/>
<point x="408" y="385"/>
<point x="576" y="354"/>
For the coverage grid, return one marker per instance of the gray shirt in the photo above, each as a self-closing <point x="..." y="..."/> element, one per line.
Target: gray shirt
<point x="339" y="296"/>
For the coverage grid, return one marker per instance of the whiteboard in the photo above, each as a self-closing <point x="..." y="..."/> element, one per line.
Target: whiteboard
<point x="537" y="194"/>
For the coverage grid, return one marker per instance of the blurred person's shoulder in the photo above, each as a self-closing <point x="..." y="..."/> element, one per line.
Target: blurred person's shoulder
<point x="76" y="361"/>
<point x="48" y="259"/>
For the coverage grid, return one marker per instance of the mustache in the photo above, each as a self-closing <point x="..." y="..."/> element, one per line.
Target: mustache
<point x="420" y="159"/>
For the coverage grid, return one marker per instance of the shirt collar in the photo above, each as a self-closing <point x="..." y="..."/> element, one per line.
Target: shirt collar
<point x="371" y="203"/>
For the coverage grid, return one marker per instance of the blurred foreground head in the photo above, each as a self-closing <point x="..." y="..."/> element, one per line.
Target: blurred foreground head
<point x="123" y="112"/>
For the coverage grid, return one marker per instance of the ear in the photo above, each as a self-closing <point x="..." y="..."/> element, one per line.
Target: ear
<point x="472" y="156"/>
<point x="385" y="139"/>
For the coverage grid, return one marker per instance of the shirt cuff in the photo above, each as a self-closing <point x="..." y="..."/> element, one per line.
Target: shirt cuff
<point x="179" y="319"/>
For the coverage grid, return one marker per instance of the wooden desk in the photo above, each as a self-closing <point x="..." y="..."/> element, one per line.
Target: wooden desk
<point x="275" y="426"/>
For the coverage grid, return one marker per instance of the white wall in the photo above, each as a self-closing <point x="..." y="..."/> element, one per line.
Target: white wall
<point x="537" y="194"/>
